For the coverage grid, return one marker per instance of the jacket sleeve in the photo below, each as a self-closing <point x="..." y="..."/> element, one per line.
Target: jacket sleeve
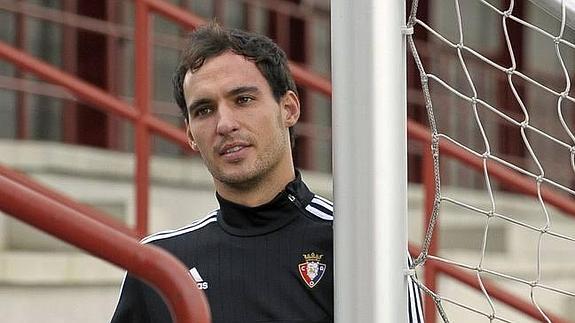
<point x="131" y="307"/>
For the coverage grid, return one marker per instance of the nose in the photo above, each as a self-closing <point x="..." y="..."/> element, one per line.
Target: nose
<point x="227" y="122"/>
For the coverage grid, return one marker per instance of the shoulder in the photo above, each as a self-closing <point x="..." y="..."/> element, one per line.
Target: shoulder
<point x="195" y="226"/>
<point x="320" y="208"/>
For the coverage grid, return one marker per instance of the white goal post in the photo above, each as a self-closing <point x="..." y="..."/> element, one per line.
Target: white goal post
<point x="370" y="174"/>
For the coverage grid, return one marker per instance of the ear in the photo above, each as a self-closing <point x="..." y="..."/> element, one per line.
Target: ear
<point x="290" y="108"/>
<point x="191" y="141"/>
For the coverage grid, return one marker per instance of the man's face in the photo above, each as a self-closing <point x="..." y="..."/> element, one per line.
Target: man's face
<point x="235" y="123"/>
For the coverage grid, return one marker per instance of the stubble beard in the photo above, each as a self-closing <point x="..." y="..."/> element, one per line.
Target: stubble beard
<point x="265" y="163"/>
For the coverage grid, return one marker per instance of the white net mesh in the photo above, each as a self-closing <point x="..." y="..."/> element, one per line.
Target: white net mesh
<point x="515" y="112"/>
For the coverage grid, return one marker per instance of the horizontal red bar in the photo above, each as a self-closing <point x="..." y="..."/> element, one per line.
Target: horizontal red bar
<point x="153" y="265"/>
<point x="520" y="183"/>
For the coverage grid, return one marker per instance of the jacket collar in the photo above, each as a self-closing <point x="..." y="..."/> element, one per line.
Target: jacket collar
<point x="242" y="220"/>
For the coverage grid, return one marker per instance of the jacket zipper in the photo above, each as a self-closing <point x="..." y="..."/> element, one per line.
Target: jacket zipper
<point x="297" y="203"/>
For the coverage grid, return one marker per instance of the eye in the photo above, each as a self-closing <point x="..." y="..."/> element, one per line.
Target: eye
<point x="244" y="99"/>
<point x="202" y="111"/>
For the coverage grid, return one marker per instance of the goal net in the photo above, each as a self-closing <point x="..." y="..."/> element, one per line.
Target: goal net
<point x="494" y="81"/>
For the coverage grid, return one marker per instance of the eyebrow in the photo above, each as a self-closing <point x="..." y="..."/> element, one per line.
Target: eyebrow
<point x="243" y="89"/>
<point x="197" y="103"/>
<point x="233" y="92"/>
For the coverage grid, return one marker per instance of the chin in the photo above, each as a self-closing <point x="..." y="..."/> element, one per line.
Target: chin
<point x="241" y="178"/>
<point x="245" y="174"/>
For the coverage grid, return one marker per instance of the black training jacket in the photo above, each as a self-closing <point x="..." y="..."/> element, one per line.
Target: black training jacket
<point x="271" y="263"/>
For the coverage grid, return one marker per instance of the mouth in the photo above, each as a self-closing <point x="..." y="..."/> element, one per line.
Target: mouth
<point x="233" y="151"/>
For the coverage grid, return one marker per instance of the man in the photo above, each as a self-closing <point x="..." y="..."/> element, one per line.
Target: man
<point x="266" y="254"/>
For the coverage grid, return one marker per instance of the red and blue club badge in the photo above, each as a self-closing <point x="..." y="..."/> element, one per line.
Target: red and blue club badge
<point x="312" y="270"/>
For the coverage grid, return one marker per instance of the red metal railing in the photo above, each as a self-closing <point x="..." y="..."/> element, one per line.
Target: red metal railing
<point x="514" y="181"/>
<point x="139" y="114"/>
<point x="147" y="123"/>
<point x="75" y="23"/>
<point x="87" y="228"/>
<point x="94" y="214"/>
<point x="68" y="221"/>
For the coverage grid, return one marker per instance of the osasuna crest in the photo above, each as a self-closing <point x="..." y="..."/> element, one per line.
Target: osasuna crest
<point x="311" y="271"/>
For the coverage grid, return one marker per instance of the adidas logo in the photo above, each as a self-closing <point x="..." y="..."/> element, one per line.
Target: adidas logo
<point x="199" y="280"/>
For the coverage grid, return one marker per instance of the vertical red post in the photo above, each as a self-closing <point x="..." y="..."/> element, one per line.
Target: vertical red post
<point x="218" y="7"/>
<point x="114" y="71"/>
<point x="429" y="272"/>
<point x="291" y="33"/>
<point x="298" y="29"/>
<point x="70" y="65"/>
<point x="185" y="4"/>
<point x="283" y="31"/>
<point x="92" y="124"/>
<point x="249" y="16"/>
<point x="21" y="96"/>
<point x="142" y="101"/>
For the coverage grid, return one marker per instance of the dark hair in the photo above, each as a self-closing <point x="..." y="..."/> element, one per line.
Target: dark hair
<point x="212" y="40"/>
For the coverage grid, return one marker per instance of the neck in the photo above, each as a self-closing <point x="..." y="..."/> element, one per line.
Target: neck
<point x="258" y="192"/>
